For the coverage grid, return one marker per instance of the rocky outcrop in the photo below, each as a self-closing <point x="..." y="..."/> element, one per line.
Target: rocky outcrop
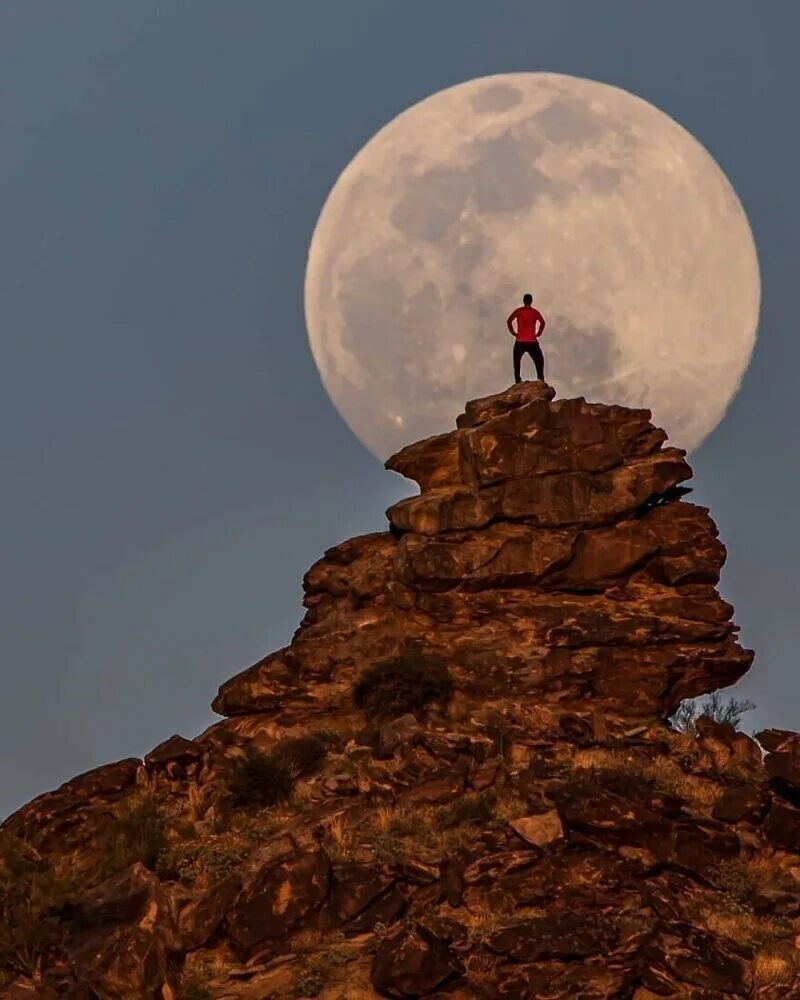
<point x="458" y="780"/>
<point x="547" y="556"/>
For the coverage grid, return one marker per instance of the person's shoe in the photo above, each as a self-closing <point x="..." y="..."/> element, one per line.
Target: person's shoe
<point x="517" y="381"/>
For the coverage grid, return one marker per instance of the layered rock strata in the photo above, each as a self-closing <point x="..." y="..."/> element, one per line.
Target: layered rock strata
<point x="547" y="557"/>
<point x="458" y="780"/>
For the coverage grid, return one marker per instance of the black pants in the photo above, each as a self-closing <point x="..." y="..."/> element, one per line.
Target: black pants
<point x="532" y="348"/>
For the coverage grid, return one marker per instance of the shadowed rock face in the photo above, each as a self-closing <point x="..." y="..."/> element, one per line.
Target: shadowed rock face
<point x="486" y="799"/>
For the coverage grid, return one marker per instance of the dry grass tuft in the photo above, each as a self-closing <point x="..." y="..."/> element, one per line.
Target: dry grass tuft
<point x="667" y="774"/>
<point x="776" y="969"/>
<point x="664" y="772"/>
<point x="745" y="927"/>
<point x="395" y="833"/>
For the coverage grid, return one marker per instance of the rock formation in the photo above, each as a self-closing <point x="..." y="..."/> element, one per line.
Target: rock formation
<point x="458" y="780"/>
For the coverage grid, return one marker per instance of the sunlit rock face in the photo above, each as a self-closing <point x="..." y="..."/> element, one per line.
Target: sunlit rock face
<point x="457" y="780"/>
<point x="549" y="555"/>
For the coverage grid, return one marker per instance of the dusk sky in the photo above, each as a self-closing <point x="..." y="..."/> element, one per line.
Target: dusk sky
<point x="171" y="461"/>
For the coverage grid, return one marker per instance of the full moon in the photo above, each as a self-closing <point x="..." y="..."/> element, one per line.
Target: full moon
<point x="629" y="236"/>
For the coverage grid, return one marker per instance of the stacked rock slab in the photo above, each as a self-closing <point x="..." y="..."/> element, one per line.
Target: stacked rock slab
<point x="548" y="556"/>
<point x="540" y="834"/>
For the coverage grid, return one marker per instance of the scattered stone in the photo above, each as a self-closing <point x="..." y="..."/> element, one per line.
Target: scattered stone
<point x="121" y="934"/>
<point x="740" y="803"/>
<point x="403" y="731"/>
<point x="407" y="964"/>
<point x="542" y="830"/>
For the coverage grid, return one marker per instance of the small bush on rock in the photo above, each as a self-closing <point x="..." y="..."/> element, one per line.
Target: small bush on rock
<point x="301" y="754"/>
<point x="137" y="832"/>
<point x="261" y="779"/>
<point x="730" y="711"/>
<point x="31" y="897"/>
<point x="408" y="682"/>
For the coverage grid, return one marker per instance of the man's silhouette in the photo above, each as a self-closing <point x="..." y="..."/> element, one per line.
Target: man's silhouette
<point x="527" y="336"/>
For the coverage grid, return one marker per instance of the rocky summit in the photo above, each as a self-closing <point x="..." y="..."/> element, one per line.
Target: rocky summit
<point x="459" y="780"/>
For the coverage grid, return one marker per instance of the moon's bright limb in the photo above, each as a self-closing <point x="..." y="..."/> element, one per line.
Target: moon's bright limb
<point x="631" y="238"/>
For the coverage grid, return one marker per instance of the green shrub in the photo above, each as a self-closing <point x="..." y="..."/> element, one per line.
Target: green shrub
<point x="314" y="970"/>
<point x="408" y="682"/>
<point x="261" y="779"/>
<point x="218" y="855"/>
<point x="301" y="754"/>
<point x="136" y="833"/>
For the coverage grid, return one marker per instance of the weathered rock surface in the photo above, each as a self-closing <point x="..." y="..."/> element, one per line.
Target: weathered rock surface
<point x="121" y="935"/>
<point x="542" y="553"/>
<point x="458" y="779"/>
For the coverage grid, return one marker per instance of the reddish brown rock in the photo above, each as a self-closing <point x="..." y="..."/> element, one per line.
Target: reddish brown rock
<point x="201" y="912"/>
<point x="175" y="750"/>
<point x="558" y="934"/>
<point x="122" y="934"/>
<point x="458" y="778"/>
<point x="541" y="543"/>
<point x="784" y="767"/>
<point x="479" y="411"/>
<point x="407" y="964"/>
<point x="740" y="802"/>
<point x="264" y="686"/>
<point x="779" y="740"/>
<point x="71" y="813"/>
<point x="541" y="830"/>
<point x="279" y="897"/>
<point x="701" y="959"/>
<point x="355" y="886"/>
<point x="782" y="826"/>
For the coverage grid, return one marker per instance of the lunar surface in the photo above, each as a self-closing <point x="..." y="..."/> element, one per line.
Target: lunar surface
<point x="631" y="239"/>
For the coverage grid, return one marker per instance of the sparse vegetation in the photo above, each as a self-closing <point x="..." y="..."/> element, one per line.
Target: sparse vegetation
<point x="219" y="854"/>
<point x="397" y="833"/>
<point x="667" y="774"/>
<point x="195" y="984"/>
<point x="730" y="711"/>
<point x="136" y="832"/>
<point x="739" y="879"/>
<point x="334" y="739"/>
<point x="261" y="780"/>
<point x="31" y="898"/>
<point x="408" y="682"/>
<point x="776" y="968"/>
<point x="300" y="754"/>
<point x="267" y="779"/>
<point x="470" y="808"/>
<point x="481" y="921"/>
<point x="663" y="771"/>
<point x="315" y="966"/>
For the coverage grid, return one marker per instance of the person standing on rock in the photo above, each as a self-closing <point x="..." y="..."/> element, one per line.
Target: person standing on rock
<point x="530" y="326"/>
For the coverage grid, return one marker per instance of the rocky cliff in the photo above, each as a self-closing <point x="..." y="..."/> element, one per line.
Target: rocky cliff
<point x="458" y="780"/>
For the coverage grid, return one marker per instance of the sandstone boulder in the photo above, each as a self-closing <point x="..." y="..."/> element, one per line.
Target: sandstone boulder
<point x="122" y="934"/>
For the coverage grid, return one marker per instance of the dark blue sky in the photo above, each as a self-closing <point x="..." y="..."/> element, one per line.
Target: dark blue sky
<point x="171" y="462"/>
